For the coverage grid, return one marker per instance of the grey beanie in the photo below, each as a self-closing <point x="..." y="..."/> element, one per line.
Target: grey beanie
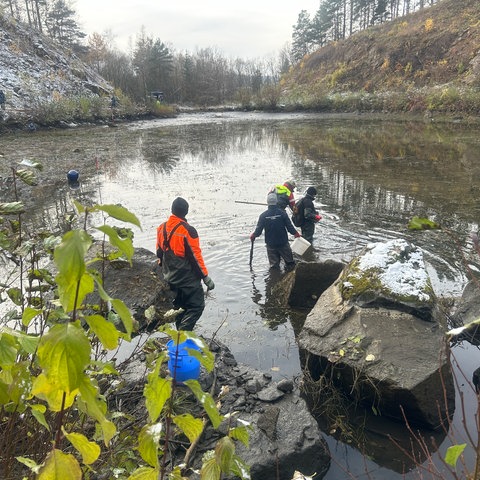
<point x="180" y="207"/>
<point x="272" y="198"/>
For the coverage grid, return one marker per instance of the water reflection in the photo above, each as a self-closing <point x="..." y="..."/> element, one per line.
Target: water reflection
<point x="373" y="174"/>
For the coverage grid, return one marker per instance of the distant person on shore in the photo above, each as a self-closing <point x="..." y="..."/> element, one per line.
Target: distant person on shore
<point x="3" y="100"/>
<point x="114" y="102"/>
<point x="276" y="223"/>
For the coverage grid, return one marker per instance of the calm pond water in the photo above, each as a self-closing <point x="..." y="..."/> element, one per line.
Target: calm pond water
<point x="372" y="174"/>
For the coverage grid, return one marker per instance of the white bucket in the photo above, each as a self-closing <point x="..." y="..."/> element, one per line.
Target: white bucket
<point x="300" y="245"/>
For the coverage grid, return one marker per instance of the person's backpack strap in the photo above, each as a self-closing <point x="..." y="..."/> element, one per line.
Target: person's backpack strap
<point x="166" y="238"/>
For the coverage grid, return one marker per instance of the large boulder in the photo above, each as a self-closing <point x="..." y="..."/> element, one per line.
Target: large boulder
<point x="378" y="333"/>
<point x="467" y="311"/>
<point x="140" y="285"/>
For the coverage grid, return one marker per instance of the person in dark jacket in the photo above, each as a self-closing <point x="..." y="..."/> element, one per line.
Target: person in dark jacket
<point x="310" y="214"/>
<point x="276" y="222"/>
<point x="180" y="255"/>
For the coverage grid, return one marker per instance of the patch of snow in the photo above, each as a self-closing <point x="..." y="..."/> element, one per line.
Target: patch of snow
<point x="402" y="267"/>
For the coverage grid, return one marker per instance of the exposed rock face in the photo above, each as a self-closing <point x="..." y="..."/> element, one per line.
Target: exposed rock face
<point x="34" y="69"/>
<point x="311" y="280"/>
<point x="284" y="436"/>
<point x="376" y="343"/>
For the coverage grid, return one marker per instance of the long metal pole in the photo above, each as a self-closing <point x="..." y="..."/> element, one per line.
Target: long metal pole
<point x="251" y="203"/>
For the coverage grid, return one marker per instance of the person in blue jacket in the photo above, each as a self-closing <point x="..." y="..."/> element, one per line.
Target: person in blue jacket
<point x="276" y="223"/>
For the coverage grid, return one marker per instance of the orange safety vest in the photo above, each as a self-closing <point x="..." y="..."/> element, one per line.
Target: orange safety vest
<point x="180" y="239"/>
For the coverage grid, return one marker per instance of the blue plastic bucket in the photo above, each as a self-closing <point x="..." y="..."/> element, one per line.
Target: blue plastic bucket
<point x="183" y="366"/>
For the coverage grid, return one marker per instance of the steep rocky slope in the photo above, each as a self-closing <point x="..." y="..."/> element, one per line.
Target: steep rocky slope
<point x="34" y="69"/>
<point x="434" y="46"/>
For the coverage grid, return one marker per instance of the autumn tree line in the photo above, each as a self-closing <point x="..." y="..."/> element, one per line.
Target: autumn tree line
<point x="338" y="19"/>
<point x="206" y="76"/>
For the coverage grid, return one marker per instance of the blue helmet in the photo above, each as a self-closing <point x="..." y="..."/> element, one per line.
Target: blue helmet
<point x="72" y="176"/>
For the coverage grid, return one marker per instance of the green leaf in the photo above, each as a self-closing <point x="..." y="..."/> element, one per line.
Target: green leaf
<point x="80" y="208"/>
<point x="206" y="401"/>
<point x="156" y="392"/>
<point x="38" y="411"/>
<point x="192" y="427"/>
<point x="96" y="408"/>
<point x="241" y="434"/>
<point x="47" y="390"/>
<point x="240" y="468"/>
<point x="60" y="466"/>
<point x="29" y="314"/>
<point x="27" y="177"/>
<point x="205" y="357"/>
<point x="417" y="223"/>
<point x="145" y="473"/>
<point x="120" y="213"/>
<point x="89" y="451"/>
<point x="32" y="164"/>
<point x="148" y="443"/>
<point x="27" y="342"/>
<point x="15" y="295"/>
<point x="28" y="462"/>
<point x="176" y="474"/>
<point x="11" y="208"/>
<point x="64" y="353"/>
<point x="453" y="453"/>
<point x="8" y="350"/>
<point x="104" y="330"/>
<point x="125" y="245"/>
<point x="71" y="293"/>
<point x="69" y="256"/>
<point x="210" y="470"/>
<point x="125" y="314"/>
<point x="224" y="451"/>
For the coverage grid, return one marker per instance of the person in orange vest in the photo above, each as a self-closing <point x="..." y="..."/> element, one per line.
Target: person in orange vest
<point x="180" y="256"/>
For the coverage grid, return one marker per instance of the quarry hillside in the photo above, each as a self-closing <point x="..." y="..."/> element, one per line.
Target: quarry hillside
<point x="35" y="70"/>
<point x="434" y="48"/>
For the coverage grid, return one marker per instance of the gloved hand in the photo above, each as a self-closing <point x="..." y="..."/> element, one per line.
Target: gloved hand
<point x="318" y="218"/>
<point x="252" y="237"/>
<point x="297" y="235"/>
<point x="209" y="283"/>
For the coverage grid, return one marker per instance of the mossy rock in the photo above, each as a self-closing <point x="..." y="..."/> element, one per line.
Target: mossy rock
<point x="390" y="275"/>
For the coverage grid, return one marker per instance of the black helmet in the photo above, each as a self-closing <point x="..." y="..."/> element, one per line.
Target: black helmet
<point x="180" y="207"/>
<point x="312" y="191"/>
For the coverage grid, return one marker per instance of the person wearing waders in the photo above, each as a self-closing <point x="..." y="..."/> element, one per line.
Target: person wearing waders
<point x="180" y="256"/>
<point x="276" y="222"/>
<point x="310" y="214"/>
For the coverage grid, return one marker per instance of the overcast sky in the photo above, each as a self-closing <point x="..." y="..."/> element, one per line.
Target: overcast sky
<point x="246" y="28"/>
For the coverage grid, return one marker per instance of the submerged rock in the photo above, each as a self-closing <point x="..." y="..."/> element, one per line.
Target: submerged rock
<point x="368" y="331"/>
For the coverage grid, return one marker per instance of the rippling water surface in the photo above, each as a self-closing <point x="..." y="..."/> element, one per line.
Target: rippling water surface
<point x="372" y="175"/>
